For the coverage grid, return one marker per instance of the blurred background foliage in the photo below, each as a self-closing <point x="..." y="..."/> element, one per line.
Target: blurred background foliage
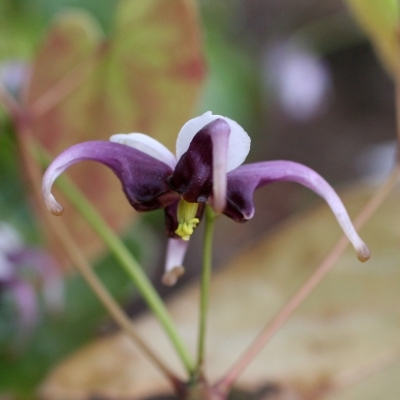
<point x="339" y="120"/>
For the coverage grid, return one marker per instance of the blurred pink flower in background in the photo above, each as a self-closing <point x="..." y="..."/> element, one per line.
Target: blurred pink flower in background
<point x="299" y="79"/>
<point x="24" y="272"/>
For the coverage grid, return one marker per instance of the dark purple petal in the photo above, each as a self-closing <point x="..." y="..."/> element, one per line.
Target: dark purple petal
<point x="244" y="180"/>
<point x="171" y="219"/>
<point x="193" y="175"/>
<point x="143" y="178"/>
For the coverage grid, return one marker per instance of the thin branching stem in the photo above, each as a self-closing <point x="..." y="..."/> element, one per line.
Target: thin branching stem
<point x="58" y="228"/>
<point x="33" y="175"/>
<point x="79" y="260"/>
<point x="126" y="260"/>
<point x="351" y="377"/>
<point x="326" y="265"/>
<point x="23" y="119"/>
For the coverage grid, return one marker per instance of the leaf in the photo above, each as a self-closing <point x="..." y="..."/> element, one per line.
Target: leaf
<point x="381" y="21"/>
<point x="350" y="320"/>
<point x="19" y="31"/>
<point x="145" y="78"/>
<point x="231" y="91"/>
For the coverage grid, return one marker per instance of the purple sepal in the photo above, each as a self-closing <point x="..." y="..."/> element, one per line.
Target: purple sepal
<point x="143" y="178"/>
<point x="171" y="220"/>
<point x="244" y="180"/>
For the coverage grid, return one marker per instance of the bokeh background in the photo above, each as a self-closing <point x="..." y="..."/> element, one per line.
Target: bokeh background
<point x="299" y="76"/>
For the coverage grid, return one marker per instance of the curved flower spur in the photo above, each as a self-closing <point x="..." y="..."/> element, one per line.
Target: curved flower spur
<point x="207" y="169"/>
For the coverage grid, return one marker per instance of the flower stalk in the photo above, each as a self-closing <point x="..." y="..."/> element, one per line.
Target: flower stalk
<point x="127" y="261"/>
<point x="205" y="286"/>
<point x="30" y="150"/>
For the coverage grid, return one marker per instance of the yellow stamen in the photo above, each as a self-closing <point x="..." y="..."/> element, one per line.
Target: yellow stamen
<point x="186" y="219"/>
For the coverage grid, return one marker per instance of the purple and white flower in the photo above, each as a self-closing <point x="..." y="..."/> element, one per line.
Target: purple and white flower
<point x="22" y="270"/>
<point x="206" y="170"/>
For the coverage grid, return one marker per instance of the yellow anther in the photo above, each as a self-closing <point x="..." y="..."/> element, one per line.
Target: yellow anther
<point x="187" y="220"/>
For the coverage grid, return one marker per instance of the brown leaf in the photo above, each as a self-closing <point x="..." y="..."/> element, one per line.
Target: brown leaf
<point x="351" y="319"/>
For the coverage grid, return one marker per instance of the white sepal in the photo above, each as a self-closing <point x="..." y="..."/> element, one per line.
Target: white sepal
<point x="176" y="250"/>
<point x="239" y="140"/>
<point x="146" y="144"/>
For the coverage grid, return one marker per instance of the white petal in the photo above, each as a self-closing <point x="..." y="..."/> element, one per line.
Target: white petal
<point x="239" y="140"/>
<point x="176" y="250"/>
<point x="146" y="144"/>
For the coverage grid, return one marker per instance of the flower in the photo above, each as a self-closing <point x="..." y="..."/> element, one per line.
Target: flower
<point x="301" y="80"/>
<point x="23" y="268"/>
<point x="207" y="169"/>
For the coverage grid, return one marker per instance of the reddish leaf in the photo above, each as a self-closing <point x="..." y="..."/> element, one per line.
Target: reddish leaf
<point x="145" y="78"/>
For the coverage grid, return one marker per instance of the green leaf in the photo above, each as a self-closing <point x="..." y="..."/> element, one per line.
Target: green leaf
<point x="381" y="21"/>
<point x="19" y="30"/>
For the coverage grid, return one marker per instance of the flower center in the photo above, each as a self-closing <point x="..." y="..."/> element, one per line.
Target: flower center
<point x="186" y="219"/>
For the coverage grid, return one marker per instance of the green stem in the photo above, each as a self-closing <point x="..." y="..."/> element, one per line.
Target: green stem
<point x="127" y="261"/>
<point x="205" y="285"/>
